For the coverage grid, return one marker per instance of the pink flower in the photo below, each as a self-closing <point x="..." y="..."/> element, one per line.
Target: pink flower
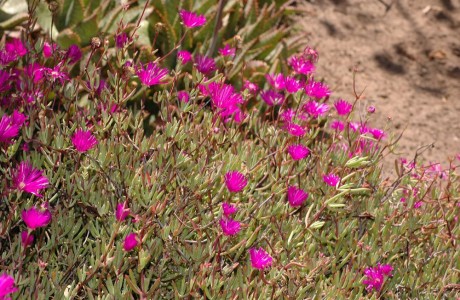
<point x="371" y="109"/>
<point x="375" y="276"/>
<point x="298" y="151"/>
<point x="48" y="49"/>
<point x="130" y="242"/>
<point x="151" y="74"/>
<point x="204" y="64"/>
<point x="331" y="179"/>
<point x="287" y="115"/>
<point x="276" y="81"/>
<point x="315" y="109"/>
<point x="235" y="181"/>
<point x="317" y="90"/>
<point x="301" y="65"/>
<point x="8" y="129"/>
<point x="228" y="209"/>
<point x="343" y="107"/>
<point x="83" y="140"/>
<point x="35" y="71"/>
<point x="260" y="259"/>
<point x="73" y="54"/>
<point x="296" y="196"/>
<point x="28" y="179"/>
<point x="337" y="125"/>
<point x="26" y="239"/>
<point x="6" y="286"/>
<point x="191" y="19"/>
<point x="4" y="81"/>
<point x="122" y="211"/>
<point x="295" y="129"/>
<point x="35" y="218"/>
<point x="224" y="99"/>
<point x="377" y="133"/>
<point x="418" y="204"/>
<point x="229" y="226"/>
<point x="291" y="84"/>
<point x="121" y="40"/>
<point x="184" y="56"/>
<point x="56" y="73"/>
<point x="16" y="48"/>
<point x="272" y="98"/>
<point x="227" y="51"/>
<point x="251" y="87"/>
<point x="183" y="96"/>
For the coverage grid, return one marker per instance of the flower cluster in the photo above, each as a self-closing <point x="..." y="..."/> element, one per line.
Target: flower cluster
<point x="375" y="276"/>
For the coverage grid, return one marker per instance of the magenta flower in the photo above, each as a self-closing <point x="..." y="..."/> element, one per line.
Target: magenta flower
<point x="121" y="40"/>
<point x="294" y="129"/>
<point x="204" y="64"/>
<point x="191" y="19"/>
<point x="229" y="226"/>
<point x="377" y="133"/>
<point x="298" y="151"/>
<point x="83" y="140"/>
<point x="224" y="99"/>
<point x="272" y="98"/>
<point x="343" y="107"/>
<point x="16" y="48"/>
<point x="48" y="49"/>
<point x="235" y="181"/>
<point x="260" y="259"/>
<point x="276" y="81"/>
<point x="183" y="96"/>
<point x="4" y="81"/>
<point x="122" y="211"/>
<point x="251" y="87"/>
<point x="337" y="125"/>
<point x="8" y="129"/>
<point x="6" y="286"/>
<point x="229" y="209"/>
<point x="375" y="276"/>
<point x="73" y="54"/>
<point x="371" y="109"/>
<point x="130" y="242"/>
<point x="287" y="115"/>
<point x="184" y="56"/>
<point x="317" y="90"/>
<point x="28" y="179"/>
<point x="296" y="196"/>
<point x="151" y="74"/>
<point x="291" y="84"/>
<point x="331" y="179"/>
<point x="227" y="51"/>
<point x="26" y="238"/>
<point x="301" y="65"/>
<point x="315" y="109"/>
<point x="35" y="218"/>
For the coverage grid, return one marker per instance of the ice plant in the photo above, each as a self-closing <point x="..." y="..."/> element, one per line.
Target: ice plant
<point x="296" y="196"/>
<point x="184" y="56"/>
<point x="343" y="107"/>
<point x="73" y="54"/>
<point x="301" y="65"/>
<point x="272" y="98"/>
<point x="83" y="140"/>
<point x="204" y="64"/>
<point x="337" y="125"/>
<point x="235" y="181"/>
<point x="224" y="99"/>
<point x="151" y="74"/>
<point x="377" y="133"/>
<point x="121" y="39"/>
<point x="298" y="151"/>
<point x="8" y="129"/>
<point x="317" y="90"/>
<point x="48" y="49"/>
<point x="277" y="81"/>
<point x="294" y="129"/>
<point x="331" y="179"/>
<point x="26" y="238"/>
<point x="191" y="19"/>
<point x="130" y="242"/>
<point x="35" y="218"/>
<point x="291" y="84"/>
<point x="7" y="286"/>
<point x="251" y="87"/>
<point x="122" y="211"/>
<point x="228" y="209"/>
<point x="260" y="259"/>
<point x="227" y="51"/>
<point x="183" y="96"/>
<point x="315" y="109"/>
<point x="375" y="276"/>
<point x="229" y="226"/>
<point x="4" y="81"/>
<point x="28" y="179"/>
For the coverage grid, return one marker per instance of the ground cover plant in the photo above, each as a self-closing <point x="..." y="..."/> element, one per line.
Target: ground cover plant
<point x="208" y="165"/>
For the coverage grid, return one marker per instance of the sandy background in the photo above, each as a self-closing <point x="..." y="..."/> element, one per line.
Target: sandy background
<point x="407" y="56"/>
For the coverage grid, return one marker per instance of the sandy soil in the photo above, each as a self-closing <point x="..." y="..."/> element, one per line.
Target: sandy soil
<point x="407" y="57"/>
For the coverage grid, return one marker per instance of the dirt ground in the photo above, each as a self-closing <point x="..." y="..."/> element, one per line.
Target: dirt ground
<point x="407" y="56"/>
